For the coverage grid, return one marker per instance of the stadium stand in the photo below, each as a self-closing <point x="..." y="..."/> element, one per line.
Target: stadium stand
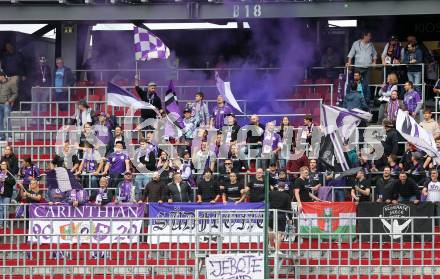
<point x="138" y="177"/>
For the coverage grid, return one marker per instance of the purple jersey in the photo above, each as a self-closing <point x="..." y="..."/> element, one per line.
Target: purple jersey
<point x="219" y="114"/>
<point x="125" y="191"/>
<point x="411" y="100"/>
<point x="117" y="162"/>
<point x="28" y="172"/>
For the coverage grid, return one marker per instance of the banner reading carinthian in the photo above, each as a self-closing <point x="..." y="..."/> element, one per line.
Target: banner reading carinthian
<point x="395" y="222"/>
<point x="325" y="220"/>
<point x="176" y="222"/>
<point x="85" y="224"/>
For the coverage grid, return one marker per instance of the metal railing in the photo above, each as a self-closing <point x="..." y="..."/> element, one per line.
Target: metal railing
<point x="187" y="240"/>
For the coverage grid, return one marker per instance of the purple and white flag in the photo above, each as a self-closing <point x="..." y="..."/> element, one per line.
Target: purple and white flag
<point x="148" y="46"/>
<point x="224" y="88"/>
<point x="340" y="119"/>
<point x="339" y="124"/>
<point x="174" y="126"/>
<point x="415" y="134"/>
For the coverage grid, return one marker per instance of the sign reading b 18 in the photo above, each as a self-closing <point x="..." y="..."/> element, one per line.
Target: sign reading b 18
<point x="247" y="11"/>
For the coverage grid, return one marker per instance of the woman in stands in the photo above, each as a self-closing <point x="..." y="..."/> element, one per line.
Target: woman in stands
<point x="11" y="159"/>
<point x="7" y="183"/>
<point x="285" y="129"/>
<point x="87" y="135"/>
<point x="84" y="114"/>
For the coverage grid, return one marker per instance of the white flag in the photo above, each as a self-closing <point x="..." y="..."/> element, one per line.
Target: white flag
<point x="415" y="134"/>
<point x="224" y="88"/>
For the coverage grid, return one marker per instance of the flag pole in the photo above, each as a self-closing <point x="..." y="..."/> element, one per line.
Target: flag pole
<point x="136" y="74"/>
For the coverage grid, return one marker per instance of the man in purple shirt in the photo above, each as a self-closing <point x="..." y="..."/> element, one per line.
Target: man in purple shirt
<point x="412" y="99"/>
<point x="219" y="113"/>
<point x="118" y="162"/>
<point x="29" y="171"/>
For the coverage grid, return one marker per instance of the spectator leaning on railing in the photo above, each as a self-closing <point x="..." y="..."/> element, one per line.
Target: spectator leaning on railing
<point x="413" y="55"/>
<point x="364" y="55"/>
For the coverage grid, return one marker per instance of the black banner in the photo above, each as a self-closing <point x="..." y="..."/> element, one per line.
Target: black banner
<point x="394" y="222"/>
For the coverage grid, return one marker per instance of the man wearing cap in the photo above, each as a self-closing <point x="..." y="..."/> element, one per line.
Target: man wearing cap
<point x="150" y="97"/>
<point x="8" y="95"/>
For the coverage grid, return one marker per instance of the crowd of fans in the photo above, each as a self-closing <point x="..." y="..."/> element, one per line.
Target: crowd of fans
<point x="229" y="166"/>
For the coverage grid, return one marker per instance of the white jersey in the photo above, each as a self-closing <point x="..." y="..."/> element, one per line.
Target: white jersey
<point x="433" y="191"/>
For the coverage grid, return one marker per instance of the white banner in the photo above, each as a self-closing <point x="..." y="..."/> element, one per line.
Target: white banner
<point x="85" y="231"/>
<point x="85" y="224"/>
<point x="235" y="266"/>
<point x="233" y="223"/>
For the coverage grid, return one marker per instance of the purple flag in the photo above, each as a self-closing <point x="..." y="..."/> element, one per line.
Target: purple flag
<point x="147" y="46"/>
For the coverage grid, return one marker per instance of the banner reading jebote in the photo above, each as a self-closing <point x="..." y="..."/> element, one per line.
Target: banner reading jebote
<point x="85" y="224"/>
<point x="324" y="220"/>
<point x="176" y="222"/>
<point x="243" y="266"/>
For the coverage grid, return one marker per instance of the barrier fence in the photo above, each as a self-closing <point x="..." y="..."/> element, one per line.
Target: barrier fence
<point x="179" y="240"/>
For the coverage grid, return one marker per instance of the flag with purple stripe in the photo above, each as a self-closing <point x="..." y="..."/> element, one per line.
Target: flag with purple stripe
<point x="120" y="97"/>
<point x="147" y="46"/>
<point x="174" y="115"/>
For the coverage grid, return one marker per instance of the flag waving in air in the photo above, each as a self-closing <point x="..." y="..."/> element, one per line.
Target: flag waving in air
<point x="119" y="97"/>
<point x="173" y="112"/>
<point x="148" y="46"/>
<point x="339" y="124"/>
<point x="224" y="88"/>
<point x="415" y="134"/>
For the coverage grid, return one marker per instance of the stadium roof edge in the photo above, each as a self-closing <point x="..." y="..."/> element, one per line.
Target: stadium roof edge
<point x="207" y="11"/>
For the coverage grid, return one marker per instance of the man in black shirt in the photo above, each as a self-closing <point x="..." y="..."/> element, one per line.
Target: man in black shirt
<point x="391" y="141"/>
<point x="232" y="190"/>
<point x="278" y="199"/>
<point x="207" y="188"/>
<point x="404" y="190"/>
<point x="150" y="97"/>
<point x="255" y="188"/>
<point x="361" y="190"/>
<point x="384" y="185"/>
<point x="154" y="190"/>
<point x="302" y="188"/>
